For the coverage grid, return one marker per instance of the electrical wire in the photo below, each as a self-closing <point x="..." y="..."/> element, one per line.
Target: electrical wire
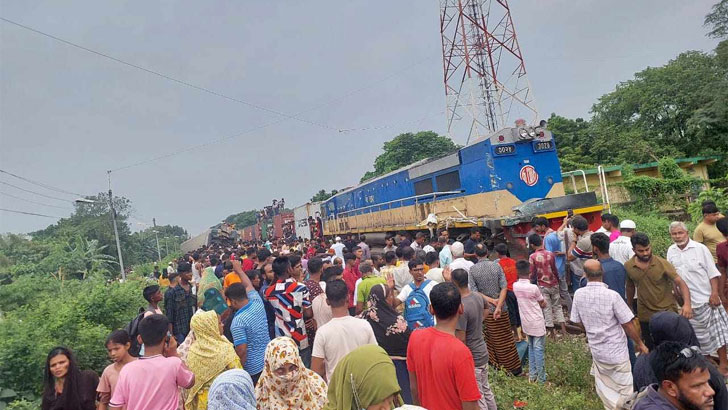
<point x="218" y="94"/>
<point x="269" y="124"/>
<point x="170" y="78"/>
<point x="33" y="202"/>
<point x="33" y="192"/>
<point x="30" y="213"/>
<point x="40" y="184"/>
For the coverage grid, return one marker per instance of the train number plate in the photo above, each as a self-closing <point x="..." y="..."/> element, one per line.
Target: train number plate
<point x="539" y="146"/>
<point x="509" y="149"/>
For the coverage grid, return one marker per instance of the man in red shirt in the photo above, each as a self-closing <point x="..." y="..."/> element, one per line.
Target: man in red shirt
<point x="546" y="276"/>
<point x="251" y="260"/>
<point x="351" y="274"/>
<point x="441" y="367"/>
<point x="509" y="268"/>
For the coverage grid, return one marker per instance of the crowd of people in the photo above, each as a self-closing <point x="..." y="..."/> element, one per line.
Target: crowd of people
<point x="317" y="325"/>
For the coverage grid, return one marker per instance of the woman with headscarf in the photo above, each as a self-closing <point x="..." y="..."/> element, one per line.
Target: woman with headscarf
<point x="364" y="377"/>
<point x="390" y="329"/>
<point x="671" y="327"/>
<point x="285" y="383"/>
<point x="232" y="390"/>
<point x="209" y="355"/>
<point x="207" y="282"/>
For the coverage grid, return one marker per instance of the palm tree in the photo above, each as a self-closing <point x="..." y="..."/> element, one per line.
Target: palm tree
<point x="90" y="256"/>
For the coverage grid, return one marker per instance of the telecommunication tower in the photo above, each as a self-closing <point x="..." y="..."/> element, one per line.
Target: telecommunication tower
<point x="486" y="86"/>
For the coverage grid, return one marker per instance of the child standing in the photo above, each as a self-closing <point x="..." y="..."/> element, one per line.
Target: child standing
<point x="530" y="302"/>
<point x="117" y="344"/>
<point x="545" y="274"/>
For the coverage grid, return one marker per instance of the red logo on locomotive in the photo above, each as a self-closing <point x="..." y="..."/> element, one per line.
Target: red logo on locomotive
<point x="529" y="175"/>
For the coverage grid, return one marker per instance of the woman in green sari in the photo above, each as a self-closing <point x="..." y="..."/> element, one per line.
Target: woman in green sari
<point x="364" y="379"/>
<point x="207" y="282"/>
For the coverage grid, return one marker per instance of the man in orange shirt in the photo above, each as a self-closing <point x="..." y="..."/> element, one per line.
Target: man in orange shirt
<point x="230" y="275"/>
<point x="509" y="268"/>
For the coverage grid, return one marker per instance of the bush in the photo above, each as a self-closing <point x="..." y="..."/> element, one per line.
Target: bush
<point x="654" y="225"/>
<point x="650" y="193"/>
<point x="717" y="195"/>
<point x="42" y="314"/>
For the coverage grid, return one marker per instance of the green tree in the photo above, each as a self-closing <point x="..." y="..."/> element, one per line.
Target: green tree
<point x="408" y="148"/>
<point x="243" y="219"/>
<point x="717" y="20"/>
<point x="322" y="195"/>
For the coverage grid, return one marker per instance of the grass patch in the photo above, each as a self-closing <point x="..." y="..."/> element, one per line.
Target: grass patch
<point x="569" y="386"/>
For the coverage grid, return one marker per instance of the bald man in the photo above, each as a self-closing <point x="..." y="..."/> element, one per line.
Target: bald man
<point x="606" y="318"/>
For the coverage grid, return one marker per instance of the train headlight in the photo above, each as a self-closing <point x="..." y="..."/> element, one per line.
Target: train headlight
<point x="532" y="133"/>
<point x="523" y="133"/>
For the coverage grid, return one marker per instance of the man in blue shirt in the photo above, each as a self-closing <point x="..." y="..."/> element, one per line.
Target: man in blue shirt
<point x="555" y="243"/>
<point x="249" y="326"/>
<point x="615" y="276"/>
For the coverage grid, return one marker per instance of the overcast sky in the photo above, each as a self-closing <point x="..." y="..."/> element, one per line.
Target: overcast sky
<point x="375" y="67"/>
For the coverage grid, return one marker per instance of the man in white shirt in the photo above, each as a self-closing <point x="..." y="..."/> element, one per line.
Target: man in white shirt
<point x="419" y="241"/>
<point x="338" y="248"/>
<point x="341" y="335"/>
<point x="459" y="262"/>
<point x="401" y="273"/>
<point x="445" y="253"/>
<point x="694" y="263"/>
<point x="621" y="248"/>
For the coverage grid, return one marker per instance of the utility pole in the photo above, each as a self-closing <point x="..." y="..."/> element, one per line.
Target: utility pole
<point x="156" y="236"/>
<point x="116" y="230"/>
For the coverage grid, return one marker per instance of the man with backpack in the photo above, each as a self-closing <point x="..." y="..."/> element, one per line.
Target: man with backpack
<point x="416" y="297"/>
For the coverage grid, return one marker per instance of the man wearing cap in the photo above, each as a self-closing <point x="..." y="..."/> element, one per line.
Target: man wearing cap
<point x="621" y="248"/>
<point x="338" y="248"/>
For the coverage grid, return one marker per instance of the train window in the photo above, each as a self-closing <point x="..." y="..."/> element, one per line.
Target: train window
<point x="423" y="187"/>
<point x="448" y="182"/>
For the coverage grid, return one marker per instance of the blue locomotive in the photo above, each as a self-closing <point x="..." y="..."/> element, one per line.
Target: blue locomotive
<point x="502" y="180"/>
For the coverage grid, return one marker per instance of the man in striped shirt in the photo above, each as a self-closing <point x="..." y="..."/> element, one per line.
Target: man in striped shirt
<point x="292" y="305"/>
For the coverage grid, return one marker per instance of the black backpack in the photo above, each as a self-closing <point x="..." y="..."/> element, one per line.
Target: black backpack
<point x="133" y="330"/>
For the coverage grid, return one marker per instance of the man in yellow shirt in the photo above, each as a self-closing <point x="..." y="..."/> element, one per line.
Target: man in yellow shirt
<point x="707" y="233"/>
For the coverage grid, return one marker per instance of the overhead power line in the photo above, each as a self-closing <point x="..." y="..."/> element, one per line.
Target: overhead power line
<point x="35" y="193"/>
<point x="34" y="202"/>
<point x="30" y="213"/>
<point x="40" y="184"/>
<point x="170" y="78"/>
<point x="272" y="123"/>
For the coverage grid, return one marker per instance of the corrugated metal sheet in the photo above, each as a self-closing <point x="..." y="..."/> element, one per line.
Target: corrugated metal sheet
<point x="434" y="166"/>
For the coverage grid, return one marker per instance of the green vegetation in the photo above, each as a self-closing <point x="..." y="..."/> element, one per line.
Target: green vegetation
<point x="653" y="224"/>
<point x="408" y="148"/>
<point x="568" y="384"/>
<point x="676" y="110"/>
<point x="670" y="191"/>
<point x="243" y="219"/>
<point x="322" y="195"/>
<point x="59" y="287"/>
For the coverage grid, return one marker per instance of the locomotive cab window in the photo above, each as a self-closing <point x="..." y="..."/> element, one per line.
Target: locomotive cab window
<point x="423" y="187"/>
<point x="448" y="182"/>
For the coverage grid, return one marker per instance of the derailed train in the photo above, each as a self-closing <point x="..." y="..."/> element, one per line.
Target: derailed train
<point x="498" y="184"/>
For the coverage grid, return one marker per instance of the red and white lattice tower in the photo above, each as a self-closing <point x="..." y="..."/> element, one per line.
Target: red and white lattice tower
<point x="485" y="77"/>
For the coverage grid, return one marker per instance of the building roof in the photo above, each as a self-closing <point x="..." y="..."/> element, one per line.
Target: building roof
<point x="611" y="168"/>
